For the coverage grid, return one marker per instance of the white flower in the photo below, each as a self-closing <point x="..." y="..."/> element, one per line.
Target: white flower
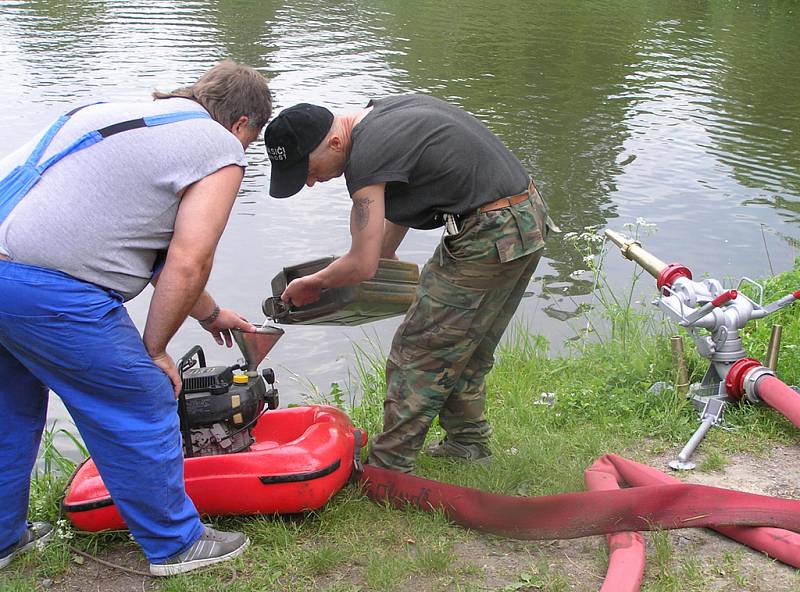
<point x="64" y="530"/>
<point x="644" y="223"/>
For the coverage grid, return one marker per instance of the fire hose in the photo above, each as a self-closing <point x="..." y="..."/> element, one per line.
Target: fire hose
<point x="780" y="397"/>
<point x="654" y="501"/>
<point x="627" y="550"/>
<point x="748" y="379"/>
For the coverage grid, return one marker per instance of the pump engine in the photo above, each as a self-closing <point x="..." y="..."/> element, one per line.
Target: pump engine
<point x="219" y="405"/>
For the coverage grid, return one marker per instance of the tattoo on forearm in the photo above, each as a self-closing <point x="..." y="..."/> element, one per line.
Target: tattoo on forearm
<point x="361" y="212"/>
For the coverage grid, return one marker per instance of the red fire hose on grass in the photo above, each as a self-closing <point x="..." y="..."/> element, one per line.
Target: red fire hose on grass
<point x="627" y="550"/>
<point x="748" y="378"/>
<point x="780" y="397"/>
<point x="655" y="501"/>
<point x="585" y="513"/>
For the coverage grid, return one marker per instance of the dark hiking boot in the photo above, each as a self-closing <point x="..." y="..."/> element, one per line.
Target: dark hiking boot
<point x="37" y="535"/>
<point x="212" y="547"/>
<point x="476" y="453"/>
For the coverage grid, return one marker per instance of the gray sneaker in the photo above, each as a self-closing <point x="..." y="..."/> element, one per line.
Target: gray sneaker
<point x="451" y="449"/>
<point x="212" y="547"/>
<point x="37" y="535"/>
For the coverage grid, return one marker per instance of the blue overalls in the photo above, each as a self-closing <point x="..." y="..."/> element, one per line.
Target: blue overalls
<point x="77" y="339"/>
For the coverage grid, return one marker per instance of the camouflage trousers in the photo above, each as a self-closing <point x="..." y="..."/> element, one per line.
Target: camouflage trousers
<point x="468" y="292"/>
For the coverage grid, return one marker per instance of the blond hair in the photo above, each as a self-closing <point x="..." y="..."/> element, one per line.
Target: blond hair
<point x="228" y="91"/>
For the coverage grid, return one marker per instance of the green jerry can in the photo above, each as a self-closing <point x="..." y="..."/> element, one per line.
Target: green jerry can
<point x="388" y="294"/>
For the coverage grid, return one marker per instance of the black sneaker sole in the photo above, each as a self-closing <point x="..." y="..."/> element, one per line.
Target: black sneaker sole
<point x="34" y="544"/>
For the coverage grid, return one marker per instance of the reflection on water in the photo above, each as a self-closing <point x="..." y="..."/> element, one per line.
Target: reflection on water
<point x="681" y="113"/>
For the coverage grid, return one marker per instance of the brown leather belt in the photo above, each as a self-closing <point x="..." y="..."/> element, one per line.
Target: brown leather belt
<point x="506" y="202"/>
<point x="4" y="258"/>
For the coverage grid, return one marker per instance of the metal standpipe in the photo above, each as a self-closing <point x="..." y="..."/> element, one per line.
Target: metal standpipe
<point x="679" y="365"/>
<point x="713" y="317"/>
<point x="632" y="249"/>
<point x="773" y="348"/>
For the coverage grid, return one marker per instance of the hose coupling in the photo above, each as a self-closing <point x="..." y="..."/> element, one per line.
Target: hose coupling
<point x="750" y="382"/>
<point x="742" y="378"/>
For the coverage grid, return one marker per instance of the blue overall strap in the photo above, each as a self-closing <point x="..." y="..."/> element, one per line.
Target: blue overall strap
<point x="20" y="180"/>
<point x="17" y="184"/>
<point x="36" y="155"/>
<point x="94" y="136"/>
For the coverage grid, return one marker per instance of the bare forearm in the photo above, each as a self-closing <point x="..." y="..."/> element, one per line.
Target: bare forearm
<point x="177" y="293"/>
<point x="345" y="271"/>
<point x="393" y="235"/>
<point x="360" y="262"/>
<point x="204" y="306"/>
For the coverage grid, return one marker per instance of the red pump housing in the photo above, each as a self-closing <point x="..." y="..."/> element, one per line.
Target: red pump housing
<point x="301" y="457"/>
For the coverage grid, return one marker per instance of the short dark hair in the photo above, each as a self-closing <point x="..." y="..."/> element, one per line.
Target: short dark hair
<point x="228" y="91"/>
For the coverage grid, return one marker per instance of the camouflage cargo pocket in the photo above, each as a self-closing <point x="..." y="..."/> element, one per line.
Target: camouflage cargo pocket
<point x="442" y="318"/>
<point x="528" y="235"/>
<point x="473" y="241"/>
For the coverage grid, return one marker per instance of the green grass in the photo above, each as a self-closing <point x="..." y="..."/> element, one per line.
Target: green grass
<point x="600" y="404"/>
<point x="714" y="461"/>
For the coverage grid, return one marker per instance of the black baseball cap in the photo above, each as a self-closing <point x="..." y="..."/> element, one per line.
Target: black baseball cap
<point x="289" y="139"/>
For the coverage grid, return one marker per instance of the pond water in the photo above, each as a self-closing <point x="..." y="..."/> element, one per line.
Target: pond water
<point x="684" y="114"/>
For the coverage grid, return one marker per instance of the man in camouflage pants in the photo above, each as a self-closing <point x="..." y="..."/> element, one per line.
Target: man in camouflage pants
<point x="416" y="162"/>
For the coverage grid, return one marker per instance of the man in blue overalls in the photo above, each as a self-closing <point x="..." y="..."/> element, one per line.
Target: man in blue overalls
<point x="110" y="197"/>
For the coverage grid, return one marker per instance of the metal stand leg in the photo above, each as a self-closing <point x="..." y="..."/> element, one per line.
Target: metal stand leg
<point x="711" y="415"/>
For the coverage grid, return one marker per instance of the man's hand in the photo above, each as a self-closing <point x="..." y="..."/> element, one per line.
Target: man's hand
<point x="302" y="291"/>
<point x="227" y="319"/>
<point x="164" y="361"/>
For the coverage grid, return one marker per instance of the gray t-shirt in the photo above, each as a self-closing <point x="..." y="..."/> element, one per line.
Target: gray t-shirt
<point x="104" y="214"/>
<point x="433" y="157"/>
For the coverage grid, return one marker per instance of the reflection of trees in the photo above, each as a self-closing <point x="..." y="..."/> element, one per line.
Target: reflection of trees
<point x="787" y="208"/>
<point x="244" y="29"/>
<point x="88" y="43"/>
<point x="55" y="44"/>
<point x="242" y="25"/>
<point x="58" y="16"/>
<point x="62" y="27"/>
<point x="550" y="80"/>
<point x="757" y="132"/>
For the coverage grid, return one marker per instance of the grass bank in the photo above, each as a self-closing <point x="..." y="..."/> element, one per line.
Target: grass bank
<point x="553" y="416"/>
